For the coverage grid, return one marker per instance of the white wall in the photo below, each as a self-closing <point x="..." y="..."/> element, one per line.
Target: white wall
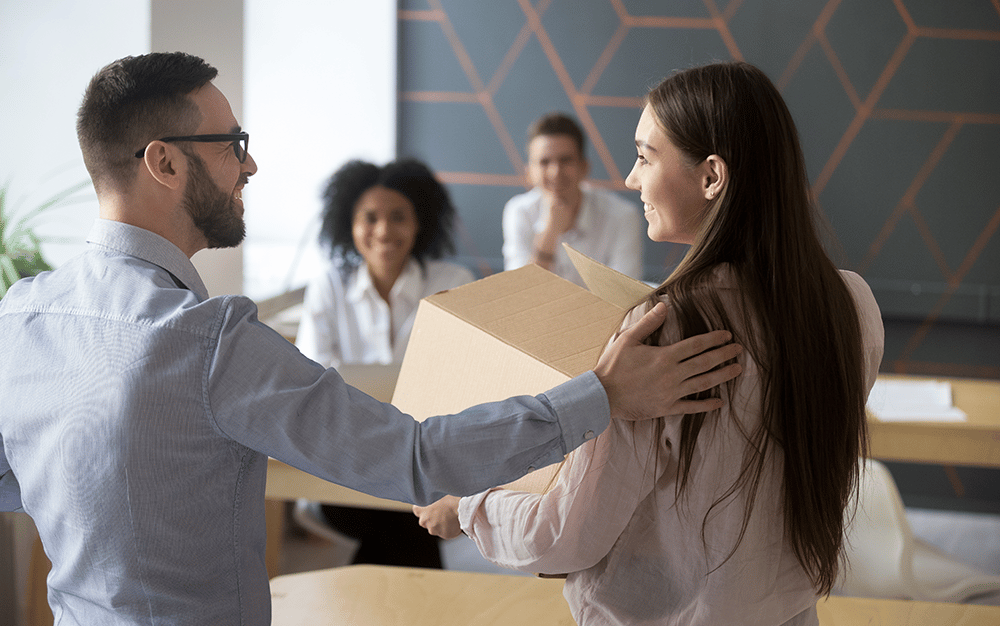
<point x="320" y="89"/>
<point x="49" y="50"/>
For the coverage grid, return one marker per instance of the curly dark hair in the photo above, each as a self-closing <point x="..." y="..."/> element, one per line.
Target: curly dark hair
<point x="410" y="177"/>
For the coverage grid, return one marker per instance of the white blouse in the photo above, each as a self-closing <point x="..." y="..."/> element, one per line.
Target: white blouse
<point x="346" y="321"/>
<point x="636" y="554"/>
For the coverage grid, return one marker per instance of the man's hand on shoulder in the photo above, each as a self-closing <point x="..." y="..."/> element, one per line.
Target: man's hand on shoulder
<point x="560" y="213"/>
<point x="651" y="381"/>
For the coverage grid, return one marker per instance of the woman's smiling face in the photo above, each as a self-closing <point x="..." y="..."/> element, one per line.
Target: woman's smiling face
<point x="384" y="229"/>
<point x="673" y="192"/>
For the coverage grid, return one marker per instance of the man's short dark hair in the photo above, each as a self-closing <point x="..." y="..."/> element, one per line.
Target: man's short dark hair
<point x="558" y="124"/>
<point x="131" y="102"/>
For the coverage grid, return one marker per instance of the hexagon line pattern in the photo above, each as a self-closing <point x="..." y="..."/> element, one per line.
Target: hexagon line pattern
<point x="874" y="107"/>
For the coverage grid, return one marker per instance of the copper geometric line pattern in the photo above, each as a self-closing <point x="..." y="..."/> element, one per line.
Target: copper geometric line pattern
<point x="908" y="202"/>
<point x="865" y="109"/>
<point x="953" y="285"/>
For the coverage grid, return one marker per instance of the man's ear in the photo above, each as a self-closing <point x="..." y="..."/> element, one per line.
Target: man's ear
<point x="716" y="176"/>
<point x="165" y="163"/>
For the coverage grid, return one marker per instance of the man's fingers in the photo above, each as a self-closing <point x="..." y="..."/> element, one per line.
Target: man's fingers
<point x="709" y="360"/>
<point x="704" y="383"/>
<point x="692" y="346"/>
<point x="649" y="322"/>
<point x="711" y="379"/>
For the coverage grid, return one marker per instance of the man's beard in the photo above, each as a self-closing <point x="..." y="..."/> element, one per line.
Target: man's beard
<point x="212" y="210"/>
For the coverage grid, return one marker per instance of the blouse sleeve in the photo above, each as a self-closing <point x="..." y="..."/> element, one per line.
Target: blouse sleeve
<point x="10" y="490"/>
<point x="317" y="336"/>
<point x="518" y="234"/>
<point x="573" y="526"/>
<point x="872" y="331"/>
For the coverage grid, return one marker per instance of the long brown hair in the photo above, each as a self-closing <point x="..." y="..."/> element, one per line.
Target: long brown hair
<point x="799" y="321"/>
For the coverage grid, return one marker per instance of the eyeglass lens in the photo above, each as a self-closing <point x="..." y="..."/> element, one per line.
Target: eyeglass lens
<point x="240" y="148"/>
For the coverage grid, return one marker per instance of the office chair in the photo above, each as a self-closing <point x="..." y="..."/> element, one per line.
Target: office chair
<point x="885" y="560"/>
<point x="309" y="515"/>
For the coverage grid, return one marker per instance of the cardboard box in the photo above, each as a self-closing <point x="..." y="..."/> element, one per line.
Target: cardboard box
<point x="519" y="332"/>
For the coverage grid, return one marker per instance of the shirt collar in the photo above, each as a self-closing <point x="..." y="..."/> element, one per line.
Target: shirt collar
<point x="148" y="246"/>
<point x="408" y="285"/>
<point x="585" y="218"/>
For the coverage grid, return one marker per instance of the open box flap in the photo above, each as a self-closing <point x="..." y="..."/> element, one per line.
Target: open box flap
<point x="609" y="285"/>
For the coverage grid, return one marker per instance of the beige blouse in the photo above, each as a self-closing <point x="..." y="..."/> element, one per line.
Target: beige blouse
<point x="636" y="554"/>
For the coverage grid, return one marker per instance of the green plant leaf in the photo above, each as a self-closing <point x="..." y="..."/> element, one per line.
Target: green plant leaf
<point x="8" y="274"/>
<point x="58" y="199"/>
<point x="20" y="247"/>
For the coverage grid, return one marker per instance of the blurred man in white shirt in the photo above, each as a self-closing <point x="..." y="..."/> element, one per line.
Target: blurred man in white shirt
<point x="562" y="208"/>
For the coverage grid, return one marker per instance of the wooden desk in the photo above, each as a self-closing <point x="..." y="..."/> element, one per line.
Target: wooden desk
<point x="284" y="482"/>
<point x="374" y="595"/>
<point x="973" y="442"/>
<point x="841" y="611"/>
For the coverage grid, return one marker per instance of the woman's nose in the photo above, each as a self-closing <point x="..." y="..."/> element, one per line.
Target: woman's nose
<point x="630" y="180"/>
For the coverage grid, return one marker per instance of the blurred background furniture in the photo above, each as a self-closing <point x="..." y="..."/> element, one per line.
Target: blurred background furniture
<point x="973" y="442"/>
<point x="885" y="560"/>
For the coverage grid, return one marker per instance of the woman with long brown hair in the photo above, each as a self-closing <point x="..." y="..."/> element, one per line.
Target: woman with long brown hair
<point x="734" y="516"/>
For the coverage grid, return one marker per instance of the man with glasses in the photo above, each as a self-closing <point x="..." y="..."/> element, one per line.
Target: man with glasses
<point x="138" y="413"/>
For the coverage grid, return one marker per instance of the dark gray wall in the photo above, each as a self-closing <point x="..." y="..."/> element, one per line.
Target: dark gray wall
<point x="897" y="103"/>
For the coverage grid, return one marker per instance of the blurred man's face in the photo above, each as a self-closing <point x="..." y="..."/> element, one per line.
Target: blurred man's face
<point x="555" y="165"/>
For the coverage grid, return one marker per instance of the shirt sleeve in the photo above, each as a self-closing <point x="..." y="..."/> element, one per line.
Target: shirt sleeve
<point x="872" y="330"/>
<point x="518" y="234"/>
<point x="317" y="335"/>
<point x="260" y="391"/>
<point x="10" y="490"/>
<point x="574" y="525"/>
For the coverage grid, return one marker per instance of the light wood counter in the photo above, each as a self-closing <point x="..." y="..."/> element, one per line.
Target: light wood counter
<point x="373" y="595"/>
<point x="974" y="442"/>
<point x="284" y="482"/>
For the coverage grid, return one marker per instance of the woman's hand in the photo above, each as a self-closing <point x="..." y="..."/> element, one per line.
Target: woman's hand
<point x="440" y="518"/>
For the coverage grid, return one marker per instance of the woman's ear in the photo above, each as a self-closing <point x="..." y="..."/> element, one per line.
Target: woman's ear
<point x="716" y="176"/>
<point x="165" y="163"/>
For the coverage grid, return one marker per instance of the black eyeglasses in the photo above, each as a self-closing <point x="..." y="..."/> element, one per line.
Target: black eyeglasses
<point x="240" y="142"/>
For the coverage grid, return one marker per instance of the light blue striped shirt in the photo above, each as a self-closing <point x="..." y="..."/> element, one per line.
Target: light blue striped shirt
<point x="137" y="415"/>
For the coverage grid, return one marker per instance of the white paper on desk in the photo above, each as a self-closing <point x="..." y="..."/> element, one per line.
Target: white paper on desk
<point x="913" y="401"/>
